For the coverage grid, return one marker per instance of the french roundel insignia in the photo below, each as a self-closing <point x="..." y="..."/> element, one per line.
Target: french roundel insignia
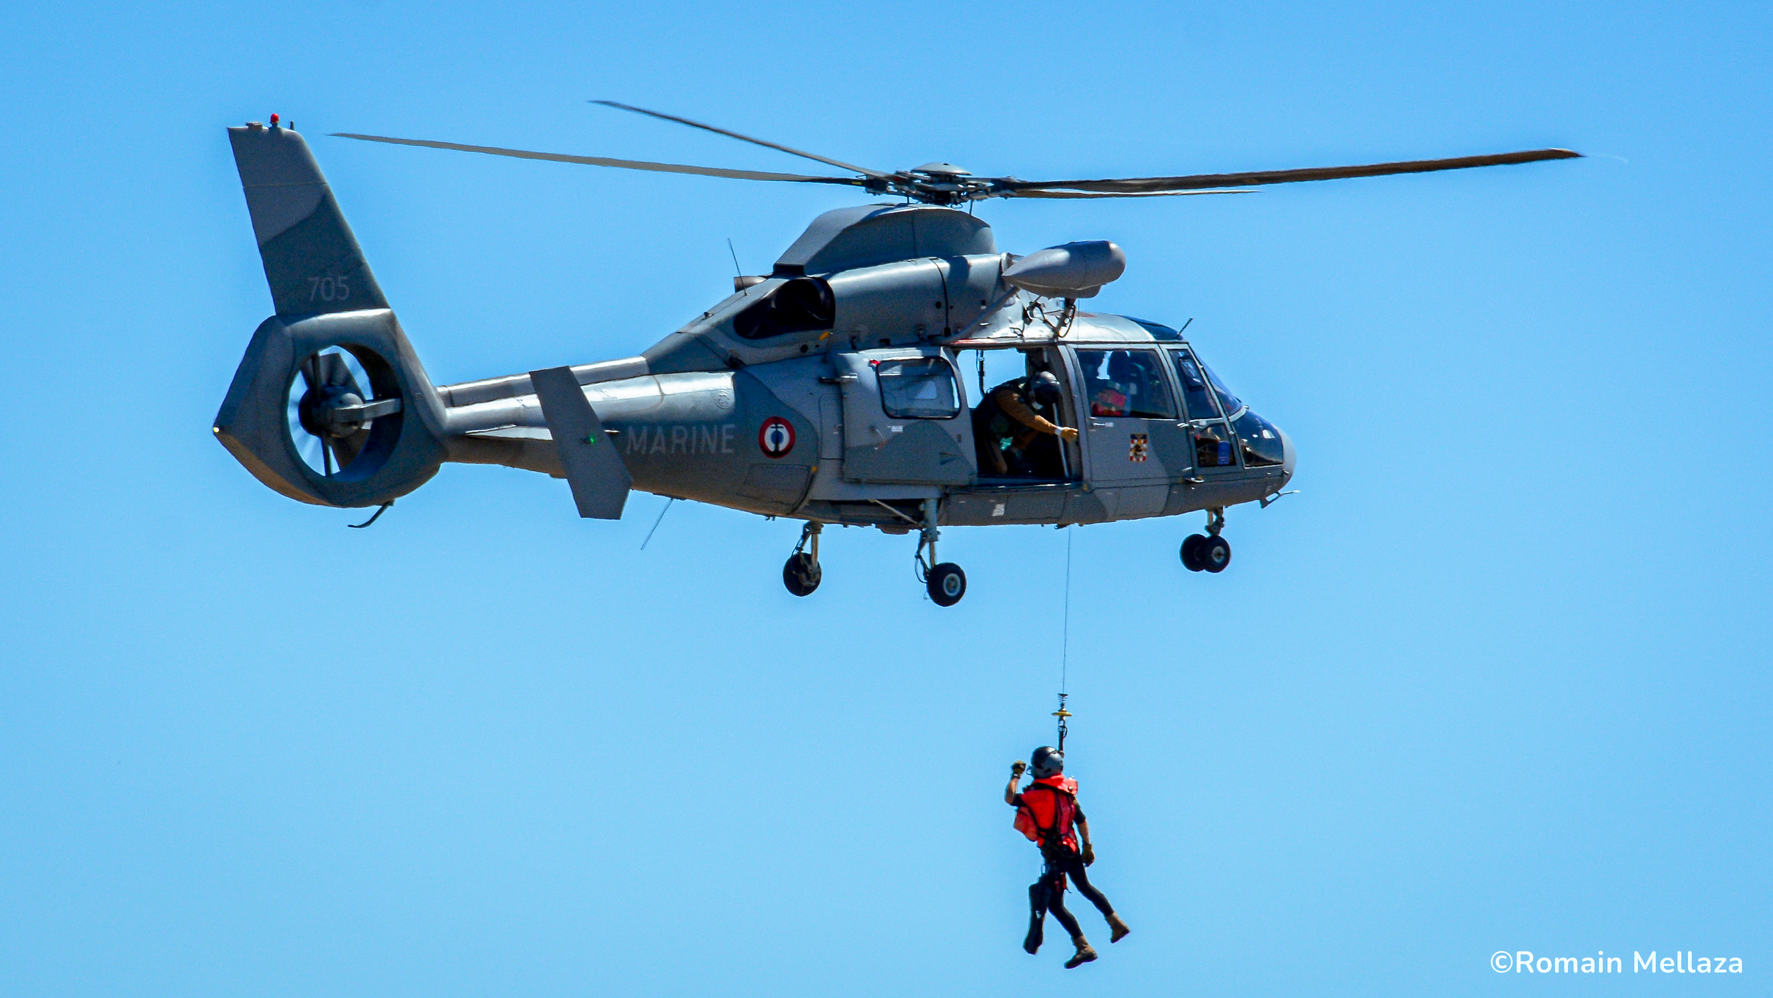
<point x="776" y="438"/>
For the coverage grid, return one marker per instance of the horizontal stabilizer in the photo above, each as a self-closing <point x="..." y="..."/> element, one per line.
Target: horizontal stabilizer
<point x="599" y="480"/>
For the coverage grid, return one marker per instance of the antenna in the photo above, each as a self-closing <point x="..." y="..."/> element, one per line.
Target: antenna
<point x="729" y="248"/>
<point x="649" y="534"/>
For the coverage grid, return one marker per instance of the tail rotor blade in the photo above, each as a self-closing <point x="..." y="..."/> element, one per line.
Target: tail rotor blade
<point x="346" y="448"/>
<point x="336" y="373"/>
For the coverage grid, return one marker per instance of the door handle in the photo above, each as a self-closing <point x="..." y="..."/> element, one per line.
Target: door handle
<point x="1096" y="424"/>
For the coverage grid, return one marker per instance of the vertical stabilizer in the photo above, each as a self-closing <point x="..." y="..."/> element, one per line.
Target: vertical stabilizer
<point x="312" y="260"/>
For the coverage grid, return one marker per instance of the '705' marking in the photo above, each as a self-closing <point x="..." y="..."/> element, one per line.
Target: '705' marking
<point x="329" y="288"/>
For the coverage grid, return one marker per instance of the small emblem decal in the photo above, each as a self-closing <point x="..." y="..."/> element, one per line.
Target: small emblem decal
<point x="776" y="438"/>
<point x="1137" y="448"/>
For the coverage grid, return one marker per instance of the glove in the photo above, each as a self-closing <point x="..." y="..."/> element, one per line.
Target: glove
<point x="1089" y="854"/>
<point x="1017" y="769"/>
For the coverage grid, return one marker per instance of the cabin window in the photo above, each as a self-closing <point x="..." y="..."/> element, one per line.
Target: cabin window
<point x="801" y="305"/>
<point x="1259" y="440"/>
<point x="1125" y="383"/>
<point x="920" y="388"/>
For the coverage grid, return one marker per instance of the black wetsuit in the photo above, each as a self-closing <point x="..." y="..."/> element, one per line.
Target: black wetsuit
<point x="1048" y="894"/>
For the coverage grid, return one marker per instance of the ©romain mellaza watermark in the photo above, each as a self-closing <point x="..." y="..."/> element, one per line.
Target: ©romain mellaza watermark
<point x="1681" y="962"/>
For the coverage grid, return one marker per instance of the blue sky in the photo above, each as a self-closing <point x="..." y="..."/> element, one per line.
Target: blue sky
<point x="1495" y="680"/>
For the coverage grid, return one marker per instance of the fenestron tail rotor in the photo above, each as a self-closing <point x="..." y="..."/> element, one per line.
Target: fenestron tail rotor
<point x="941" y="183"/>
<point x="331" y="415"/>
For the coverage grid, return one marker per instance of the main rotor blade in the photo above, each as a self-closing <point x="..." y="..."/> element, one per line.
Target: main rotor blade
<point x="624" y="164"/>
<point x="1104" y="194"/>
<point x="745" y="138"/>
<point x="1150" y="185"/>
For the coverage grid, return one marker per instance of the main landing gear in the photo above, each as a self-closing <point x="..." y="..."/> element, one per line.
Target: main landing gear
<point x="801" y="575"/>
<point x="1212" y="552"/>
<point x="946" y="582"/>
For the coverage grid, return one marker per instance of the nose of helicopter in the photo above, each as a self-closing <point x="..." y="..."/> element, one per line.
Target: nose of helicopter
<point x="1288" y="453"/>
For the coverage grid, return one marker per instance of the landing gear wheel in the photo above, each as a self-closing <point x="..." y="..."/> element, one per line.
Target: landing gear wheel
<point x="947" y="584"/>
<point x="801" y="575"/>
<point x="1191" y="547"/>
<point x="1215" y="554"/>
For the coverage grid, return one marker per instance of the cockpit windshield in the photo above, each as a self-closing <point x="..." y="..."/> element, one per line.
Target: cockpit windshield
<point x="1195" y="394"/>
<point x="1230" y="402"/>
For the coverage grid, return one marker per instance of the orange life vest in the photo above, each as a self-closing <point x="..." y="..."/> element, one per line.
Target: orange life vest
<point x="1047" y="811"/>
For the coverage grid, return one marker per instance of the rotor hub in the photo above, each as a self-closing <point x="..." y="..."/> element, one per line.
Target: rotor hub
<point x="320" y="412"/>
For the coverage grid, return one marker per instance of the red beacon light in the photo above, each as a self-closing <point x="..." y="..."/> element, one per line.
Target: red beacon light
<point x="273" y="121"/>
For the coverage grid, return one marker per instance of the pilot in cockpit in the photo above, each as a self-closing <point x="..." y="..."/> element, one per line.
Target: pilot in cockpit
<point x="1129" y="388"/>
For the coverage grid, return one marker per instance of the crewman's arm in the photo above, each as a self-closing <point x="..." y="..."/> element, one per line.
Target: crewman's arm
<point x="1018" y="410"/>
<point x="1009" y="793"/>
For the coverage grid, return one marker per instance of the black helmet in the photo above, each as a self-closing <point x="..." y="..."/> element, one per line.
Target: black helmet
<point x="1044" y="388"/>
<point x="1121" y="366"/>
<point x="1048" y="761"/>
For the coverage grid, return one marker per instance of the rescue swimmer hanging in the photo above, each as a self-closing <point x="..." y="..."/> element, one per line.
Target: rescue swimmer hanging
<point x="1049" y="815"/>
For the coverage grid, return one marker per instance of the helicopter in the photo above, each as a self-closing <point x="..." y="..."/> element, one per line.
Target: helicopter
<point x="829" y="391"/>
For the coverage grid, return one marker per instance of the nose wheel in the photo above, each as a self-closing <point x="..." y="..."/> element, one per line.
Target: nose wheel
<point x="801" y="574"/>
<point x="1211" y="552"/>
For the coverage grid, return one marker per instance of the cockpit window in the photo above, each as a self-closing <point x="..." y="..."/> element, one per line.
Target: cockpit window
<point x="1212" y="446"/>
<point x="801" y="305"/>
<point x="1125" y="383"/>
<point x="1226" y="399"/>
<point x="1259" y="440"/>
<point x="1195" y="392"/>
<point x="922" y="388"/>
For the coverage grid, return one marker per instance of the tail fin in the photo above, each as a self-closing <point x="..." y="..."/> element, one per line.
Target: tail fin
<point x="311" y="258"/>
<point x="295" y="389"/>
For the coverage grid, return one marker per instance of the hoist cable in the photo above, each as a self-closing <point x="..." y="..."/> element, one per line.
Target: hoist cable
<point x="1065" y="648"/>
<point x="1065" y="640"/>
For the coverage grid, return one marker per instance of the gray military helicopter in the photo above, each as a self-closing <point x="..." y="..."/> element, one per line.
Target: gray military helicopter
<point x="829" y="390"/>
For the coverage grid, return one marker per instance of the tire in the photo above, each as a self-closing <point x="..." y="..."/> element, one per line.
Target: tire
<point x="800" y="574"/>
<point x="1215" y="554"/>
<point x="1191" y="546"/>
<point x="947" y="584"/>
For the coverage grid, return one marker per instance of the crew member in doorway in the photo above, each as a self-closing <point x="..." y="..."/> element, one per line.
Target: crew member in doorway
<point x="1012" y="425"/>
<point x="1047" y="813"/>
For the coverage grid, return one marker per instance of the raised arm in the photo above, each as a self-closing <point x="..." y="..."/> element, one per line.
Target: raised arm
<point x="1016" y="771"/>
